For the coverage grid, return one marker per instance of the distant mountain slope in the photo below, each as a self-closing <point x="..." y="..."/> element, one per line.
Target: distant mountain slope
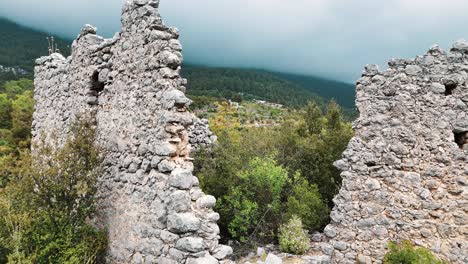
<point x="343" y="93"/>
<point x="232" y="83"/>
<point x="20" y="46"/>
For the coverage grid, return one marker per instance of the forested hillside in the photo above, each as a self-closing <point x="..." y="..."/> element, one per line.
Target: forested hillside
<point x="246" y="84"/>
<point x="20" y="46"/>
<point x="343" y="93"/>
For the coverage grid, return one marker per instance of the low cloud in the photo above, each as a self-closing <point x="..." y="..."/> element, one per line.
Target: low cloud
<point x="331" y="38"/>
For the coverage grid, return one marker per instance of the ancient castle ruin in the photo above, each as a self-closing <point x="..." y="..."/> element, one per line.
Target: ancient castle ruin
<point x="150" y="202"/>
<point x="404" y="173"/>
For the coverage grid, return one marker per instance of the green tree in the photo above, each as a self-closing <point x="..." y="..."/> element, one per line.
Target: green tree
<point x="22" y="110"/>
<point x="313" y="118"/>
<point x="306" y="203"/>
<point x="5" y="109"/>
<point x="255" y="204"/>
<point x="334" y="117"/>
<point x="47" y="202"/>
<point x="13" y="88"/>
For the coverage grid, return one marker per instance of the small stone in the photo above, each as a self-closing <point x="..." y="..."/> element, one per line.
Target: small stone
<point x="260" y="252"/>
<point x="372" y="184"/>
<point x="438" y="88"/>
<point x="273" y="259"/>
<point x="362" y="259"/>
<point x="413" y="69"/>
<point x="166" y="166"/>
<point x="461" y="45"/>
<point x="181" y="178"/>
<point x="202" y="260"/>
<point x="329" y="231"/>
<point x="190" y="244"/>
<point x="207" y="201"/>
<point x="222" y="252"/>
<point x="183" y="223"/>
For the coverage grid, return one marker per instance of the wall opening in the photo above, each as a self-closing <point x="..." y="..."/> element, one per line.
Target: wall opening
<point x="449" y="88"/>
<point x="96" y="85"/>
<point x="461" y="138"/>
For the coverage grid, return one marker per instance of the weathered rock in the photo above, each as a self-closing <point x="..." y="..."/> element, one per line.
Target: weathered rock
<point x="222" y="252"/>
<point x="183" y="223"/>
<point x="130" y="87"/>
<point x="400" y="170"/>
<point x="273" y="259"/>
<point x="190" y="244"/>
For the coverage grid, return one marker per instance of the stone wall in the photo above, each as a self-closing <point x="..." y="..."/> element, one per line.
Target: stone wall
<point x="405" y="171"/>
<point x="148" y="199"/>
<point x="200" y="135"/>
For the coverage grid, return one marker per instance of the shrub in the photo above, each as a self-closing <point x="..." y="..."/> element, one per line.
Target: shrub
<point x="293" y="238"/>
<point x="255" y="203"/>
<point x="47" y="202"/>
<point x="306" y="202"/>
<point x="407" y="253"/>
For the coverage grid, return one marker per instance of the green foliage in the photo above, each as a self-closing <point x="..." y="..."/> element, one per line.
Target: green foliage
<point x="47" y="201"/>
<point x="306" y="203"/>
<point x="293" y="238"/>
<point x="407" y="253"/>
<point x="343" y="93"/>
<point x="21" y="117"/>
<point x="246" y="84"/>
<point x="20" y="46"/>
<point x="5" y="109"/>
<point x="16" y="117"/>
<point x="256" y="171"/>
<point x="14" y="88"/>
<point x="320" y="141"/>
<point x="256" y="201"/>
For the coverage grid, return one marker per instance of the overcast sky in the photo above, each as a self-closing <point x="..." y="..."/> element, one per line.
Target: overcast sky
<point x="331" y="38"/>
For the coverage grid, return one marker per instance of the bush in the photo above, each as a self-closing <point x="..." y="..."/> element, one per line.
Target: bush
<point x="293" y="238"/>
<point x="307" y="203"/>
<point x="46" y="204"/>
<point x="407" y="253"/>
<point x="255" y="203"/>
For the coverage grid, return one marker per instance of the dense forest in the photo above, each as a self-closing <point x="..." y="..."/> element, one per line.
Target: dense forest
<point x="20" y="46"/>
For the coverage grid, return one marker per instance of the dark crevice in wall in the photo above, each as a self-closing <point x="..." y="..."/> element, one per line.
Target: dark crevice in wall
<point x="96" y="85"/>
<point x="461" y="138"/>
<point x="449" y="88"/>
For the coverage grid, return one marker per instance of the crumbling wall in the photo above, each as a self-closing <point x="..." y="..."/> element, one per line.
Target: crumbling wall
<point x="200" y="135"/>
<point x="405" y="171"/>
<point x="149" y="201"/>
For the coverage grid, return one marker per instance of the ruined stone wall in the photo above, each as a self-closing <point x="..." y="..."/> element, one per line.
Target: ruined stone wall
<point x="200" y="135"/>
<point x="149" y="201"/>
<point x="405" y="171"/>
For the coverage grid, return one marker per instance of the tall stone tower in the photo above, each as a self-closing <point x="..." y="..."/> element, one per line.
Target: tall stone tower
<point x="405" y="172"/>
<point x="149" y="201"/>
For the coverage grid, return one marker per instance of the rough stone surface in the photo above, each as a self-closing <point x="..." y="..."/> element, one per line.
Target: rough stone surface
<point x="405" y="170"/>
<point x="200" y="136"/>
<point x="131" y="87"/>
<point x="273" y="259"/>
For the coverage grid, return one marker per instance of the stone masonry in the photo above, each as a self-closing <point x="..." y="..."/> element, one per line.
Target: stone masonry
<point x="149" y="201"/>
<point x="405" y="172"/>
